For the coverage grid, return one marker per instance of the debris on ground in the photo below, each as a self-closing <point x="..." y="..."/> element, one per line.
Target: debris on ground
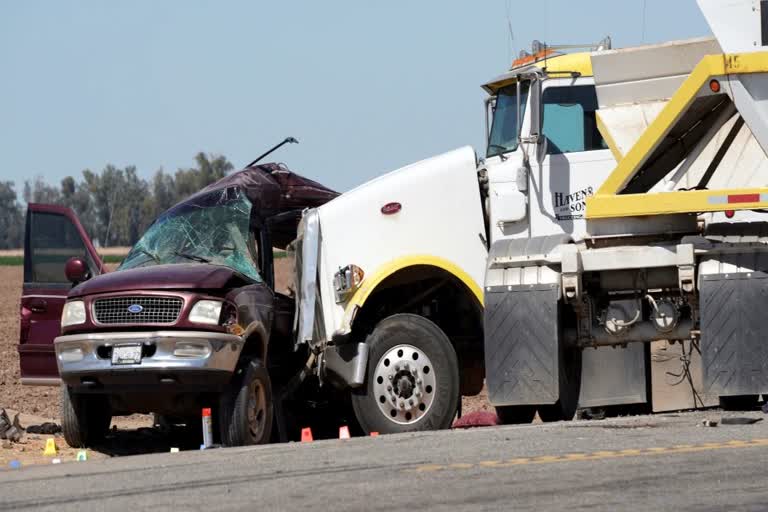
<point x="740" y="421"/>
<point x="11" y="431"/>
<point x="709" y="423"/>
<point x="477" y="419"/>
<point x="48" y="428"/>
<point x="591" y="413"/>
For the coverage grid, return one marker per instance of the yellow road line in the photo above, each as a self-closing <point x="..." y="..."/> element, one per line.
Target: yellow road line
<point x="598" y="455"/>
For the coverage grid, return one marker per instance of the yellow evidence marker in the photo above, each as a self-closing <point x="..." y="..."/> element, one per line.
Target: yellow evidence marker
<point x="50" y="447"/>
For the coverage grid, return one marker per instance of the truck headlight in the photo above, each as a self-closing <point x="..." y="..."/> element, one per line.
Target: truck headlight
<point x="206" y="312"/>
<point x="346" y="281"/>
<point x="73" y="313"/>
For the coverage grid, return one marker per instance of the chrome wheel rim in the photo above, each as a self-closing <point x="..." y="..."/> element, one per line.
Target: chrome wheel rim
<point x="404" y="384"/>
<point x="257" y="411"/>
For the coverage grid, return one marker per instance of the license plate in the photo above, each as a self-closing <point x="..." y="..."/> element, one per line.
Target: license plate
<point x="126" y="354"/>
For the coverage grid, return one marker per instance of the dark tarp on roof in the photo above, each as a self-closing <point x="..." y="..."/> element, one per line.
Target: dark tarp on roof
<point x="274" y="190"/>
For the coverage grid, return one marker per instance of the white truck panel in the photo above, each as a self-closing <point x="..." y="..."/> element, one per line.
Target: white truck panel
<point x="440" y="219"/>
<point x="634" y="84"/>
<point x="735" y="23"/>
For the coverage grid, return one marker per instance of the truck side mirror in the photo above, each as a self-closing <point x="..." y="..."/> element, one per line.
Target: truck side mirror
<point x="537" y="115"/>
<point x="76" y="270"/>
<point x="535" y="110"/>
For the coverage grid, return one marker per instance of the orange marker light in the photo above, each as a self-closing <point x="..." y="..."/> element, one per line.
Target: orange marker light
<point x="714" y="86"/>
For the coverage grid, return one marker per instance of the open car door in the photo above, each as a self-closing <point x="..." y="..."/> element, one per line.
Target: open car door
<point x="53" y="235"/>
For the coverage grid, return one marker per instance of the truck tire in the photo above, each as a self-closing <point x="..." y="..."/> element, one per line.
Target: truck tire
<point x="412" y="381"/>
<point x="515" y="414"/>
<point x="85" y="419"/>
<point x="739" y="402"/>
<point x="246" y="411"/>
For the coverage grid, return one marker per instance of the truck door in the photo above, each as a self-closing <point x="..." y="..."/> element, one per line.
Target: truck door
<point x="577" y="159"/>
<point x="53" y="235"/>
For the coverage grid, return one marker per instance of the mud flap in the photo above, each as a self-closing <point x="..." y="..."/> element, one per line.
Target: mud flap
<point x="521" y="344"/>
<point x="614" y="376"/>
<point x="734" y="333"/>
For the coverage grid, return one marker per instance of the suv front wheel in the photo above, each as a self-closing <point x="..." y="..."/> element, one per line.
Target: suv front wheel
<point x="246" y="408"/>
<point x="85" y="418"/>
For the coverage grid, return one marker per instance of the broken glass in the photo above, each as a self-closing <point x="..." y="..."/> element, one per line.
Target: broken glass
<point x="210" y="229"/>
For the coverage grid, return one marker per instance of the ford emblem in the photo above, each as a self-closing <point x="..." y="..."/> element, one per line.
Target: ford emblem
<point x="135" y="308"/>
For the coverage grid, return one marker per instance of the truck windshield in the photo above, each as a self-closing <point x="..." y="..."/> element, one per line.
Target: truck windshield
<point x="213" y="228"/>
<point x="503" y="138"/>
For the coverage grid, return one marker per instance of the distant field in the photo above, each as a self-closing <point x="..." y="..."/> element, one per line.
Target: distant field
<point x="15" y="257"/>
<point x="12" y="261"/>
<point x="104" y="251"/>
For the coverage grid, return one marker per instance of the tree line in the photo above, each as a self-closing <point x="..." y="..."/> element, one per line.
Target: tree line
<point x="115" y="205"/>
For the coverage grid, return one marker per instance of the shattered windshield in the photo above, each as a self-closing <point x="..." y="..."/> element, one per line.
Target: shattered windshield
<point x="213" y="228"/>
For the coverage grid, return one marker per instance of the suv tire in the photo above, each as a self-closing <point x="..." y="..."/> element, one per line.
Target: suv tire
<point x="85" y="419"/>
<point x="246" y="408"/>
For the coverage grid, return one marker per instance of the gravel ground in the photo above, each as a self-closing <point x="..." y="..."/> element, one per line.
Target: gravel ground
<point x="40" y="401"/>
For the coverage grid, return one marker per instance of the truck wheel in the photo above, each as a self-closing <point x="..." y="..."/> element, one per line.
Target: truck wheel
<point x="738" y="402"/>
<point x="570" y="387"/>
<point x="85" y="419"/>
<point x="413" y="378"/>
<point x="515" y="414"/>
<point x="246" y="409"/>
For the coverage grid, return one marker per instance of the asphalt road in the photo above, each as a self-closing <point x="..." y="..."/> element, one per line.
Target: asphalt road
<point x="667" y="462"/>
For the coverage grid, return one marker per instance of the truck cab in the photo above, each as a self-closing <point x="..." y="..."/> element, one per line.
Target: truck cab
<point x="402" y="278"/>
<point x="405" y="267"/>
<point x="545" y="154"/>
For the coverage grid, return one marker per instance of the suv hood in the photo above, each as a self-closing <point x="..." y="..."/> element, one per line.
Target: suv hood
<point x="192" y="276"/>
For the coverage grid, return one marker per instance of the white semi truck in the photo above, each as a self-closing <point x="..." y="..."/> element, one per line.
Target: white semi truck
<point x="619" y="204"/>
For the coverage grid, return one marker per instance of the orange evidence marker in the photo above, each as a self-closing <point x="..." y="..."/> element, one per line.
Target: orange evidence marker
<point x="344" y="432"/>
<point x="306" y="435"/>
<point x="374" y="434"/>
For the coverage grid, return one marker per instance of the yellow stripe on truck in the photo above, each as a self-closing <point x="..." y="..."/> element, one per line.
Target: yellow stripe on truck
<point x="371" y="282"/>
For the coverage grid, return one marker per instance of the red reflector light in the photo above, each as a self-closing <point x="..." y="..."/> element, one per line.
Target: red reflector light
<point x="730" y="213"/>
<point x="714" y="86"/>
<point x="390" y="208"/>
<point x="744" y="198"/>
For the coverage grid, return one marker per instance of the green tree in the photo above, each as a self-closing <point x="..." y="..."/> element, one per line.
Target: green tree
<point x="38" y="191"/>
<point x="210" y="168"/>
<point x="11" y="218"/>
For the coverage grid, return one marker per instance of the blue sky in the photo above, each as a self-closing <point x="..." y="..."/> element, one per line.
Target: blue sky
<point x="365" y="86"/>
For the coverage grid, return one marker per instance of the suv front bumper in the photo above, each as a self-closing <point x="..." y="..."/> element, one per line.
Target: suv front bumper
<point x="196" y="360"/>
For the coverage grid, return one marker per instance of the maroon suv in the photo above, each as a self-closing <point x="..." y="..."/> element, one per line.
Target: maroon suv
<point x="190" y="319"/>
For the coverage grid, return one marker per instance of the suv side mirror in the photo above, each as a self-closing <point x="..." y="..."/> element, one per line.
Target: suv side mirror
<point x="76" y="270"/>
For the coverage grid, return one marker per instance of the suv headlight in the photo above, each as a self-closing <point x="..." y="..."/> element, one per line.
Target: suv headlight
<point x="206" y="312"/>
<point x="73" y="313"/>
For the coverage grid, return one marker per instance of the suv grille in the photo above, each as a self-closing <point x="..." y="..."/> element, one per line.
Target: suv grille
<point x="152" y="310"/>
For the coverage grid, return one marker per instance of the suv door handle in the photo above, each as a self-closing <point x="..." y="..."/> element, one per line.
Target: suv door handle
<point x="38" y="305"/>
